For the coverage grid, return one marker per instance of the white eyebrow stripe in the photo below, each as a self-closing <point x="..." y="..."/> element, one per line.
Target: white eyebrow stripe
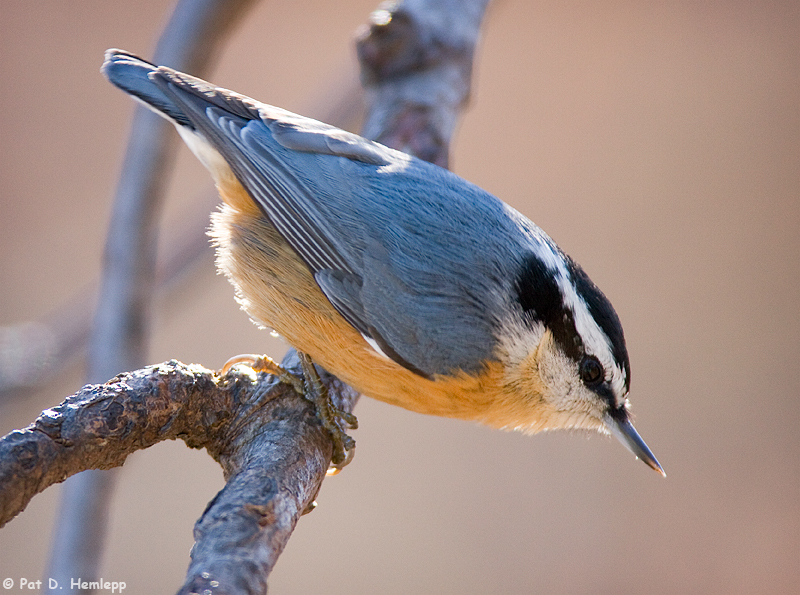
<point x="595" y="340"/>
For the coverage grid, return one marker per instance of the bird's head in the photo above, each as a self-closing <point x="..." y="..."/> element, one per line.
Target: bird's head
<point x="564" y="352"/>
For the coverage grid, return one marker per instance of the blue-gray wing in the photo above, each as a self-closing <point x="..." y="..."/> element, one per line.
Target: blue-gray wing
<point x="413" y="257"/>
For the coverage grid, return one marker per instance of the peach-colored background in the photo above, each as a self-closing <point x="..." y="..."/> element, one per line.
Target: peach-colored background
<point x="657" y="142"/>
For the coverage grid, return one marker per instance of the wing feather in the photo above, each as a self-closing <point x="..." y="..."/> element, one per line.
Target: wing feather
<point x="412" y="256"/>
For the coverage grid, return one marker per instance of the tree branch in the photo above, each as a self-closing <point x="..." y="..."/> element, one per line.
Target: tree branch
<point x="272" y="448"/>
<point x="416" y="68"/>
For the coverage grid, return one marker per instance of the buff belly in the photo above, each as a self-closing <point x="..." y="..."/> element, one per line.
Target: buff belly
<point x="278" y="291"/>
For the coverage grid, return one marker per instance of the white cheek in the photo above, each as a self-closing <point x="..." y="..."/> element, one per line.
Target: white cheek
<point x="517" y="340"/>
<point x="565" y="391"/>
<point x="559" y="375"/>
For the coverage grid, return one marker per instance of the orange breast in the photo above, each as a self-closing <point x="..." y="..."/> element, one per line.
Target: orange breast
<point x="276" y="288"/>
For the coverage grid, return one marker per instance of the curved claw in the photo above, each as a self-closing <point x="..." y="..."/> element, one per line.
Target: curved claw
<point x="248" y="359"/>
<point x="264" y="363"/>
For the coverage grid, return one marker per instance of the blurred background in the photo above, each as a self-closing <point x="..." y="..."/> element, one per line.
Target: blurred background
<point x="657" y="142"/>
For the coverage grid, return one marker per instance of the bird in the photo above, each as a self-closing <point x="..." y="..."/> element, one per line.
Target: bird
<point x="404" y="280"/>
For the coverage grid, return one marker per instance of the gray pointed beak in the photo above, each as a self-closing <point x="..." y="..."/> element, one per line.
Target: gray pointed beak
<point x="622" y="429"/>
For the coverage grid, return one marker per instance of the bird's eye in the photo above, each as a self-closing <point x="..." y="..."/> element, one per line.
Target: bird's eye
<point x="591" y="370"/>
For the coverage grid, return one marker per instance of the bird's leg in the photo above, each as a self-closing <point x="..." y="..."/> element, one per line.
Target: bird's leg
<point x="335" y="420"/>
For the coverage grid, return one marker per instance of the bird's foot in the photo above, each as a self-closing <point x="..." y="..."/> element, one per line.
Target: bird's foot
<point x="264" y="363"/>
<point x="335" y="420"/>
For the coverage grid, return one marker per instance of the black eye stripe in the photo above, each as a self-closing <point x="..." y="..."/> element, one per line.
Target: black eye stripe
<point x="540" y="298"/>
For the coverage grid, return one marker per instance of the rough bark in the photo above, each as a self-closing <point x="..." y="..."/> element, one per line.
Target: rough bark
<point x="272" y="448"/>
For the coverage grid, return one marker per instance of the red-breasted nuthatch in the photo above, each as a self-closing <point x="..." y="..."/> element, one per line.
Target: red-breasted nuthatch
<point x="409" y="283"/>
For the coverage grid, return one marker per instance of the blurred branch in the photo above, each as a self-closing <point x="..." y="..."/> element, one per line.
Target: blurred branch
<point x="267" y="439"/>
<point x="190" y="40"/>
<point x="33" y="353"/>
<point x="118" y="340"/>
<point x="416" y="68"/>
